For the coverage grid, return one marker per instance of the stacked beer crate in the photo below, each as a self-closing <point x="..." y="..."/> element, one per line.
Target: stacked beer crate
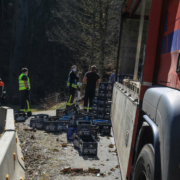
<point x="84" y="140"/>
<point x="102" y="103"/>
<point x="79" y="119"/>
<point x="102" y="108"/>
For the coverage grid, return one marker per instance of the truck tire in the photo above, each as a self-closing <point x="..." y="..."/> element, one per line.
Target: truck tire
<point x="144" y="169"/>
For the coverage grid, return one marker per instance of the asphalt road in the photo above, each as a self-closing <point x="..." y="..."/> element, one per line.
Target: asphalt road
<point x="105" y="160"/>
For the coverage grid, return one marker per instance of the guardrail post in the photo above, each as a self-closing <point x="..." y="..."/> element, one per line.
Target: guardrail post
<point x="14" y="156"/>
<point x="7" y="177"/>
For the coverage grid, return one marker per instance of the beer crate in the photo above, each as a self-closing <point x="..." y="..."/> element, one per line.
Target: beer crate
<point x="60" y="112"/>
<point x="95" y="122"/>
<point x="19" y="116"/>
<point x="64" y="124"/>
<point x="54" y="126"/>
<point x="88" y="146"/>
<point x="106" y="86"/>
<point x="104" y="128"/>
<point x="91" y="117"/>
<point x="76" y="141"/>
<point x="84" y="129"/>
<point x="105" y="99"/>
<point x="104" y="108"/>
<point x="54" y="118"/>
<point x="96" y="100"/>
<point x="103" y="93"/>
<point x="94" y="131"/>
<point x="37" y="123"/>
<point x="94" y="107"/>
<point x="71" y="131"/>
<point x="103" y="115"/>
<point x="44" y="116"/>
<point x="73" y="121"/>
<point x="94" y="112"/>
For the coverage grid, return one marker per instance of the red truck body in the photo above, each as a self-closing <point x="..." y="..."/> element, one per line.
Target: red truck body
<point x="162" y="57"/>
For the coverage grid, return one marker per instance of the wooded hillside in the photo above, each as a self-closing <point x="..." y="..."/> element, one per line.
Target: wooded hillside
<point x="48" y="36"/>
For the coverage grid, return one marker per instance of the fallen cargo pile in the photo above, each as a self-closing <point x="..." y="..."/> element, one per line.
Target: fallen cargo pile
<point x="80" y="134"/>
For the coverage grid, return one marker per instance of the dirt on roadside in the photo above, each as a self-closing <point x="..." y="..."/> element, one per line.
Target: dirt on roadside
<point x="45" y="157"/>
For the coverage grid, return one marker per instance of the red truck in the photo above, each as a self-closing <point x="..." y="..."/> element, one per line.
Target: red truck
<point x="146" y="110"/>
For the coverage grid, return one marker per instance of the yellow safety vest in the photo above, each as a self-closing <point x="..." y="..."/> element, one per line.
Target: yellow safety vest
<point x="21" y="83"/>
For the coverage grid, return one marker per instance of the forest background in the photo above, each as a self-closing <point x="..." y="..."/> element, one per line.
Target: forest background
<point x="49" y="36"/>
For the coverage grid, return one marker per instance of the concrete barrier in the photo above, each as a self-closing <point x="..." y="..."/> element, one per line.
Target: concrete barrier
<point x="2" y="119"/>
<point x="11" y="158"/>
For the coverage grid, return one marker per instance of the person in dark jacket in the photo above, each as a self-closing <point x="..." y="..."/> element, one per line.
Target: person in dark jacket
<point x="2" y="92"/>
<point x="112" y="77"/>
<point x="91" y="78"/>
<point x="72" y="84"/>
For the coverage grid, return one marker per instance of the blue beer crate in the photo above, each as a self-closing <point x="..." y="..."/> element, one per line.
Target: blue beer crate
<point x="67" y="117"/>
<point x="37" y="123"/>
<point x="94" y="122"/>
<point x="71" y="131"/>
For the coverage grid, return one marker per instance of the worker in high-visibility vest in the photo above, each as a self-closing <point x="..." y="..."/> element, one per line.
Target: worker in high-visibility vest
<point x="72" y="84"/>
<point x="2" y="92"/>
<point x="24" y="89"/>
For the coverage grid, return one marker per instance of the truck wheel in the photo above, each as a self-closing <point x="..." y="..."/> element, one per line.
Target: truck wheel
<point x="144" y="169"/>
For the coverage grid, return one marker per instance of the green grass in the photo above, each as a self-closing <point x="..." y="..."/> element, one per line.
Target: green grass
<point x="61" y="105"/>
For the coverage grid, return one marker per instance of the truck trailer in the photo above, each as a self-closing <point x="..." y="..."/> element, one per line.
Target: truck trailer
<point x="145" y="109"/>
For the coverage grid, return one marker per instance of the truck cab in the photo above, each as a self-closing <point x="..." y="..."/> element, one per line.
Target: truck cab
<point x="146" y="109"/>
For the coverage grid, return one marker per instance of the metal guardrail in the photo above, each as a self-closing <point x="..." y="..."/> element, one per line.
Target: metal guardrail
<point x="11" y="158"/>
